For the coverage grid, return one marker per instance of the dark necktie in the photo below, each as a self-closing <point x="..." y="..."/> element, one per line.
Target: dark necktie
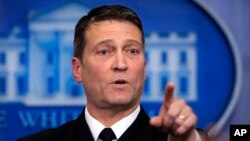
<point x="107" y="134"/>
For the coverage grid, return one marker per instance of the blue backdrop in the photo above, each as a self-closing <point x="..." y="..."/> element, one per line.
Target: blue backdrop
<point x="187" y="42"/>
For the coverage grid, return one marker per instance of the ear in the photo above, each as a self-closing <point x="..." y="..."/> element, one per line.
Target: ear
<point x="76" y="69"/>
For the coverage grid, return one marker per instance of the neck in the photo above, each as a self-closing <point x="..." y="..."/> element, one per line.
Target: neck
<point x="109" y="116"/>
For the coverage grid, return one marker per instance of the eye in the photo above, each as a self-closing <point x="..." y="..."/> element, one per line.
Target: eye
<point x="103" y="52"/>
<point x="133" y="51"/>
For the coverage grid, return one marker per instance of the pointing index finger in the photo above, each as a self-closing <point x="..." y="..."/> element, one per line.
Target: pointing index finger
<point x="169" y="94"/>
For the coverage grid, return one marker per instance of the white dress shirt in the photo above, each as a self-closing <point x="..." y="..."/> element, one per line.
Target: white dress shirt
<point x="119" y="127"/>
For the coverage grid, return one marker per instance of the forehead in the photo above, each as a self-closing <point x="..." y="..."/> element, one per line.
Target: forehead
<point x="109" y="29"/>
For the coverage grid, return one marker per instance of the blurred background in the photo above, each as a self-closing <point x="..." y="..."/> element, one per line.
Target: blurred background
<point x="202" y="46"/>
<point x="235" y="15"/>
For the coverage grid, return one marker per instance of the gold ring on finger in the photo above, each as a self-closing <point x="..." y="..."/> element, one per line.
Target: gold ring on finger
<point x="182" y="117"/>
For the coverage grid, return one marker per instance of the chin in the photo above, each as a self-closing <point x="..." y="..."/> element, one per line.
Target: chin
<point x="123" y="101"/>
<point x="123" y="98"/>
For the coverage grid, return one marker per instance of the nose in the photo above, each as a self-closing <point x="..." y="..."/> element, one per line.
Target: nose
<point x="120" y="62"/>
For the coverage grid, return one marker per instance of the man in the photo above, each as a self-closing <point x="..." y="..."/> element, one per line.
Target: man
<point x="109" y="61"/>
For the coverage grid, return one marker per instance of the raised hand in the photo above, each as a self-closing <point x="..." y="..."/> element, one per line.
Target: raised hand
<point x="175" y="117"/>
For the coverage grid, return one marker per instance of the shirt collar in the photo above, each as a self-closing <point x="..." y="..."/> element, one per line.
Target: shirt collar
<point x="119" y="127"/>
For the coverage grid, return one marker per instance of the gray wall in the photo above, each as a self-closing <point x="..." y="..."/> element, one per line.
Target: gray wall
<point x="236" y="15"/>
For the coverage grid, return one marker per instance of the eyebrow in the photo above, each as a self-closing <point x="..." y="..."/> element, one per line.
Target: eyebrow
<point x="129" y="41"/>
<point x="110" y="41"/>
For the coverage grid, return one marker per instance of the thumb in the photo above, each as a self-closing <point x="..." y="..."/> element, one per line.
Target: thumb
<point x="156" y="121"/>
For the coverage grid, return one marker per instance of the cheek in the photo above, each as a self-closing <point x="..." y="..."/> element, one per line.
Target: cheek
<point x="93" y="71"/>
<point x="140" y="71"/>
<point x="92" y="79"/>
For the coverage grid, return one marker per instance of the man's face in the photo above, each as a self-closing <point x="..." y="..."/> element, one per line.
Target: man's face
<point x="113" y="65"/>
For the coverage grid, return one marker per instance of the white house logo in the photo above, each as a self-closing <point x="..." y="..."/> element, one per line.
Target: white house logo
<point x="37" y="89"/>
<point x="171" y="58"/>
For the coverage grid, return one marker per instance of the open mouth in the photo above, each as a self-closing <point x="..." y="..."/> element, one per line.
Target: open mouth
<point x="120" y="82"/>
